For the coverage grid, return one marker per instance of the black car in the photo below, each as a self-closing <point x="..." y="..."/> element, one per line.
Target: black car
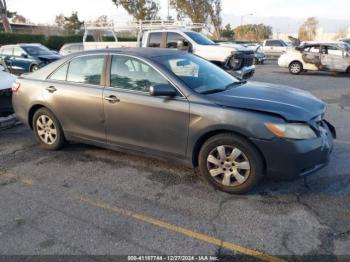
<point x="176" y="105"/>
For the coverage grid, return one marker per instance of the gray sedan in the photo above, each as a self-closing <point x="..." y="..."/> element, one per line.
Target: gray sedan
<point x="177" y="106"/>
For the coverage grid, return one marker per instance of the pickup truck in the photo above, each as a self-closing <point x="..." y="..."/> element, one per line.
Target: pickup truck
<point x="235" y="59"/>
<point x="274" y="48"/>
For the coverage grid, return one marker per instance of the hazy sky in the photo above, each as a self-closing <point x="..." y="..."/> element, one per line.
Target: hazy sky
<point x="44" y="11"/>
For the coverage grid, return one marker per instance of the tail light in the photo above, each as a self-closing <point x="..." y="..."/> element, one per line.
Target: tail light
<point x="15" y="87"/>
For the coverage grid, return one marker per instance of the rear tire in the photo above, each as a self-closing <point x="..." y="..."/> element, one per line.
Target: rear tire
<point x="48" y="130"/>
<point x="295" y="68"/>
<point x="230" y="163"/>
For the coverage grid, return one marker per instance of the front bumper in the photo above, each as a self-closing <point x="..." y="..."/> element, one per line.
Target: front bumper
<point x="6" y="102"/>
<point x="245" y="72"/>
<point x="288" y="159"/>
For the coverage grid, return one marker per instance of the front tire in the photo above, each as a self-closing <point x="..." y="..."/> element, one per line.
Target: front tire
<point x="34" y="68"/>
<point x="295" y="68"/>
<point x="48" y="130"/>
<point x="230" y="163"/>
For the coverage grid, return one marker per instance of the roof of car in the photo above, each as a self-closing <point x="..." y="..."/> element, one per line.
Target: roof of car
<point x="141" y="52"/>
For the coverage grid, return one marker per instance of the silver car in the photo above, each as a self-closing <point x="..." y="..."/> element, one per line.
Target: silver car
<point x="177" y="106"/>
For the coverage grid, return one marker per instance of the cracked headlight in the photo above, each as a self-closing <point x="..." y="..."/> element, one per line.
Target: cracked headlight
<point x="292" y="130"/>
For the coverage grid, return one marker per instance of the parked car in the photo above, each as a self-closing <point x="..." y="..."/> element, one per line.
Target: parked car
<point x="71" y="48"/>
<point x="6" y="81"/>
<point x="317" y="56"/>
<point x="27" y="57"/>
<point x="259" y="56"/>
<point x="178" y="106"/>
<point x="274" y="48"/>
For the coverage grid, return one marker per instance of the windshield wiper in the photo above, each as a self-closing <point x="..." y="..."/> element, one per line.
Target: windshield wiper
<point x="212" y="91"/>
<point x="233" y="84"/>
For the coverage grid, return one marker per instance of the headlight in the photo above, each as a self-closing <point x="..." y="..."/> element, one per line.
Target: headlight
<point x="235" y="63"/>
<point x="291" y="131"/>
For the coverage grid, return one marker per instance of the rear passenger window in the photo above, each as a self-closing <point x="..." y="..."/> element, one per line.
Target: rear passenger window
<point x="86" y="70"/>
<point x="155" y="39"/>
<point x="7" y="51"/>
<point x="60" y="74"/>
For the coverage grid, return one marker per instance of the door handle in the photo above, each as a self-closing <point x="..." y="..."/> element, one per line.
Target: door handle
<point x="51" y="89"/>
<point x="112" y="99"/>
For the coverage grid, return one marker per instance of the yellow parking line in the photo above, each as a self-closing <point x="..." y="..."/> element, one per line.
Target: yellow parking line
<point x="184" y="231"/>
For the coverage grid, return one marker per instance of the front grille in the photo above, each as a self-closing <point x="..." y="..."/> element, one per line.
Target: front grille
<point x="248" y="61"/>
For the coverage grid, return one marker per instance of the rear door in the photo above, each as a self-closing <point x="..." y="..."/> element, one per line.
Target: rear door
<point x="137" y="120"/>
<point x="74" y="93"/>
<point x="312" y="57"/>
<point x="333" y="58"/>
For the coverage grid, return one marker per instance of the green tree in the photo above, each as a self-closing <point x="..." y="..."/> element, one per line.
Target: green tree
<point x="60" y="20"/>
<point x="227" y="32"/>
<point x="196" y="10"/>
<point x="5" y="15"/>
<point x="253" y="32"/>
<point x="308" y="30"/>
<point x="72" y="23"/>
<point x="140" y="9"/>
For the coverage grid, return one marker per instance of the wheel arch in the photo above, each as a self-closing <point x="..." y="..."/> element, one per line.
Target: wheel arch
<point x="204" y="137"/>
<point x="295" y="60"/>
<point x="34" y="108"/>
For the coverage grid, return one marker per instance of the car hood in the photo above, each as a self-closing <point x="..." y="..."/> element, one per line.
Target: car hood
<point x="290" y="103"/>
<point x="6" y="80"/>
<point x="51" y="57"/>
<point x="237" y="47"/>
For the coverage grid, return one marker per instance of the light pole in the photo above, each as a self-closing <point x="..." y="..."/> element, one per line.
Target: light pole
<point x="242" y="16"/>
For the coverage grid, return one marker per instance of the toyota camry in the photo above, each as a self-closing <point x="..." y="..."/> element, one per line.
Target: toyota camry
<point x="177" y="106"/>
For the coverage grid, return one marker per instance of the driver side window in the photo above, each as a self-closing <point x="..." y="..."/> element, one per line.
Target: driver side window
<point x="132" y="74"/>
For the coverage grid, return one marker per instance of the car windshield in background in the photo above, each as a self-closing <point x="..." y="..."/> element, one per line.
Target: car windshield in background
<point x="37" y="50"/>
<point x="347" y="47"/>
<point x="199" y="38"/>
<point x="198" y="74"/>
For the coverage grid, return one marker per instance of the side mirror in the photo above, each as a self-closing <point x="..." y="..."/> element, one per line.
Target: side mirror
<point x="24" y="55"/>
<point x="162" y="90"/>
<point x="181" y="45"/>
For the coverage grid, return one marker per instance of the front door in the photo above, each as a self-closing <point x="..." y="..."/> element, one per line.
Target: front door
<point x="136" y="119"/>
<point x="74" y="93"/>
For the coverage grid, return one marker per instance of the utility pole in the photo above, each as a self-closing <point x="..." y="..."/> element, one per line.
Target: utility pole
<point x="242" y="16"/>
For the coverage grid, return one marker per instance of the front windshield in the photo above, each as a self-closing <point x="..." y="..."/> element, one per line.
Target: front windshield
<point x="199" y="38"/>
<point x="35" y="50"/>
<point x="198" y="74"/>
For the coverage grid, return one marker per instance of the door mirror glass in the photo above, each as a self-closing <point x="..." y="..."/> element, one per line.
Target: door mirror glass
<point x="182" y="45"/>
<point x="24" y="55"/>
<point x="162" y="90"/>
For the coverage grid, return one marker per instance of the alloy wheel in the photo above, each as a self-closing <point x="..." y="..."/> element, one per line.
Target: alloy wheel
<point x="46" y="129"/>
<point x="228" y="165"/>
